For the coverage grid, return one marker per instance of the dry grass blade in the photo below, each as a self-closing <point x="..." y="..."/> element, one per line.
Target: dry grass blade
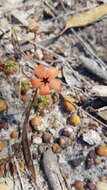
<point x="19" y="174"/>
<point x="15" y="43"/>
<point x="25" y="144"/>
<point x="85" y="18"/>
<point x="17" y="167"/>
<point x="27" y="155"/>
<point x="62" y="4"/>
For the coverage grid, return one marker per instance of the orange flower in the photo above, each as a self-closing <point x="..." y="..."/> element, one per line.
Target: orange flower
<point x="45" y="81"/>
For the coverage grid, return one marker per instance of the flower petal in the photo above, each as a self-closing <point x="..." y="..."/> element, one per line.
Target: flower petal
<point x="40" y="71"/>
<point x="44" y="90"/>
<point x="55" y="84"/>
<point x="36" y="83"/>
<point x="53" y="72"/>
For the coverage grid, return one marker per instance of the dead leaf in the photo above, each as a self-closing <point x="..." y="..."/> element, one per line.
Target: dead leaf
<point x="25" y="144"/>
<point x="95" y="67"/>
<point x="27" y="155"/>
<point x="72" y="78"/>
<point x="102" y="112"/>
<point x="99" y="90"/>
<point x="85" y="18"/>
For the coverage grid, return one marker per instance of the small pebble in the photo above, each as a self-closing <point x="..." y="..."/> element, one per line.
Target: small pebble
<point x="42" y="35"/>
<point x="14" y="134"/>
<point x="92" y="154"/>
<point x="55" y="97"/>
<point x="101" y="150"/>
<point x="89" y="163"/>
<point x="92" y="137"/>
<point x="97" y="161"/>
<point x="67" y="131"/>
<point x="47" y="56"/>
<point x="65" y="142"/>
<point x="91" y="186"/>
<point x="5" y="125"/>
<point x="37" y="140"/>
<point x="75" y="163"/>
<point x="37" y="123"/>
<point x="69" y="106"/>
<point x="47" y="137"/>
<point x="39" y="54"/>
<point x="56" y="148"/>
<point x="70" y="99"/>
<point x="75" y="120"/>
<point x="79" y="185"/>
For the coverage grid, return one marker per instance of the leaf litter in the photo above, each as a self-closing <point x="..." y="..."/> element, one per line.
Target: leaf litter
<point x="51" y="132"/>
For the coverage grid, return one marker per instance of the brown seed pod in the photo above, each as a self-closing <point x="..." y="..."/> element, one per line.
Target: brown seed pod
<point x="75" y="120"/>
<point x="101" y="150"/>
<point x="69" y="107"/>
<point x="68" y="103"/>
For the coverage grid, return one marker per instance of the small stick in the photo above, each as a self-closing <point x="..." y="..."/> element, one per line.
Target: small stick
<point x="17" y="167"/>
<point x="87" y="47"/>
<point x="62" y="4"/>
<point x="19" y="174"/>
